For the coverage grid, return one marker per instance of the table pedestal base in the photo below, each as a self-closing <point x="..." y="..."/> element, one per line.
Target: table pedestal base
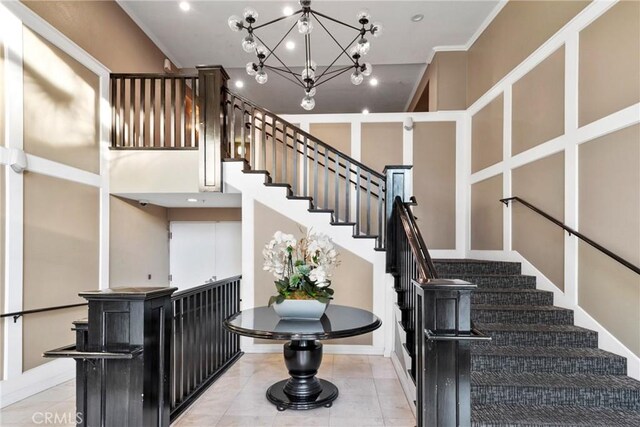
<point x="303" y="390"/>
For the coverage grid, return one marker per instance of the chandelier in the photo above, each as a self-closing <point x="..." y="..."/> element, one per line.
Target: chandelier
<point x="310" y="77"/>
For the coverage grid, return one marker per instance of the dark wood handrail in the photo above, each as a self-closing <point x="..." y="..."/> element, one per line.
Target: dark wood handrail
<point x="571" y="231"/>
<point x="417" y="244"/>
<point x="300" y="151"/>
<point x="274" y="116"/>
<point x="17" y="314"/>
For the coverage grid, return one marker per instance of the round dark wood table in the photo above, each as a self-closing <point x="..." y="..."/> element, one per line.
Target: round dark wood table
<point x="303" y="352"/>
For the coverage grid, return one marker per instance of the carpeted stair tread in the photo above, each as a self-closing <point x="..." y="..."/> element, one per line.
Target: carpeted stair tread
<point x="536" y="335"/>
<point x="614" y="391"/>
<point x="544" y="415"/>
<point x="511" y="296"/>
<point x="474" y="266"/>
<point x="543" y="314"/>
<point x="495" y="281"/>
<point x="561" y="360"/>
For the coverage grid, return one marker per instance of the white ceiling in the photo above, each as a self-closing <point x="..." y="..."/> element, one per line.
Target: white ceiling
<point x="179" y="200"/>
<point x="201" y="36"/>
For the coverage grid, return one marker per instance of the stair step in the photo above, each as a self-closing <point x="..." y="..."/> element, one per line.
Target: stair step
<point x="504" y="334"/>
<point x="350" y="224"/>
<point x="516" y="314"/>
<point x="511" y="297"/>
<point x="546" y="415"/>
<point x="445" y="267"/>
<point x="492" y="281"/>
<point x="611" y="391"/>
<point x="547" y="360"/>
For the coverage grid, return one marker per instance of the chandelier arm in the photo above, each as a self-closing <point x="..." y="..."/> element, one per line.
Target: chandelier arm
<point x="279" y="60"/>
<point x="334" y="61"/>
<point x="271" y="67"/>
<point x="336" y="70"/>
<point x="280" y="42"/>
<point x="277" y="20"/>
<point x="283" y="73"/>
<point x="334" y="76"/>
<point x="336" y="41"/>
<point x="334" y="20"/>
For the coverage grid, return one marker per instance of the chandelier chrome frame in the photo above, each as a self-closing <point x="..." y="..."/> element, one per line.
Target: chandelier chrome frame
<point x="307" y="78"/>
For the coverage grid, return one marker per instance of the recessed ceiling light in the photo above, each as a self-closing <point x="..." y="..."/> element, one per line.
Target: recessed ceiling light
<point x="239" y="84"/>
<point x="365" y="111"/>
<point x="192" y="200"/>
<point x="186" y="7"/>
<point x="417" y="18"/>
<point x="290" y="45"/>
<point x="373" y="82"/>
<point x="288" y="11"/>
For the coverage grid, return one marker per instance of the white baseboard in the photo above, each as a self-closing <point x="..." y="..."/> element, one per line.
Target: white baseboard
<point x="606" y="340"/>
<point x="407" y="384"/>
<point x="326" y="348"/>
<point x="36" y="380"/>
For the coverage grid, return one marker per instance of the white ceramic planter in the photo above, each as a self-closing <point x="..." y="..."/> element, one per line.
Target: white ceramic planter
<point x="300" y="309"/>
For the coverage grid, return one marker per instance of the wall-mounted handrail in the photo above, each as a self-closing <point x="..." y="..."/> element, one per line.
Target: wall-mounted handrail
<point x="17" y="314"/>
<point x="571" y="231"/>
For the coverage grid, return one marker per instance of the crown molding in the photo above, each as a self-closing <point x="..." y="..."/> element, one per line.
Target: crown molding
<point x="155" y="39"/>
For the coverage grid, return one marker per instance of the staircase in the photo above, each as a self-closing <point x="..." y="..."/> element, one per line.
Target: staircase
<point x="539" y="369"/>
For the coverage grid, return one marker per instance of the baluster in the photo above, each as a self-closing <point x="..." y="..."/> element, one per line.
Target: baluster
<point x="183" y="112"/>
<point x="326" y="178"/>
<point x="380" y="214"/>
<point x="242" y="133"/>
<point x="358" y="191"/>
<point x="368" y="228"/>
<point x="305" y="166"/>
<point x="316" y="202"/>
<point x="172" y="93"/>
<point x="336" y="189"/>
<point x="143" y="101"/>
<point x="114" y="88"/>
<point x="152" y="112"/>
<point x="132" y="111"/>
<point x="274" y="144"/>
<point x="295" y="162"/>
<point x="347" y="174"/>
<point x="263" y="137"/>
<point x="163" y="111"/>
<point x="284" y="154"/>
<point x="123" y="128"/>
<point x="194" y="104"/>
<point x="232" y="128"/>
<point x="252" y="136"/>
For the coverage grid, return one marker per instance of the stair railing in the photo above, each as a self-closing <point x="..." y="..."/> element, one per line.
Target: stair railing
<point x="573" y="232"/>
<point x="309" y="167"/>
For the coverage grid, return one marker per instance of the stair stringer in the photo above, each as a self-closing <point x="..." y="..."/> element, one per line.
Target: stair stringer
<point x="606" y="340"/>
<point x="252" y="188"/>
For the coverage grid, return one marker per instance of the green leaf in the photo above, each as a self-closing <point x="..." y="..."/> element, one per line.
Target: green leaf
<point x="279" y="299"/>
<point x="272" y="300"/>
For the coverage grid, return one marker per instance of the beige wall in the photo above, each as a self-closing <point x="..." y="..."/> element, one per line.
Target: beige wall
<point x="538" y="104"/>
<point x="2" y="206"/>
<point x="518" y="30"/>
<point x="204" y="214"/>
<point x="337" y="135"/>
<point x="446" y="76"/>
<point x="434" y="182"/>
<point x="61" y="257"/>
<point x="609" y="209"/>
<point x="98" y="27"/>
<point x="381" y="145"/>
<point x="139" y="244"/>
<point x="609" y="64"/>
<point x="541" y="242"/>
<point x="352" y="281"/>
<point x="486" y="214"/>
<point x="61" y="104"/>
<point x="487" y="134"/>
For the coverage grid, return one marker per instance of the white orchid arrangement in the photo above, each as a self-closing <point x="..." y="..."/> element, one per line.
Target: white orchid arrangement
<point x="303" y="268"/>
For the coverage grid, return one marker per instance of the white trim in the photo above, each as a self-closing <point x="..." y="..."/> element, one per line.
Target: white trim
<point x="606" y="340"/>
<point x="36" y="380"/>
<point x="407" y="385"/>
<point x="155" y="39"/>
<point x="54" y="169"/>
<point x="436" y="116"/>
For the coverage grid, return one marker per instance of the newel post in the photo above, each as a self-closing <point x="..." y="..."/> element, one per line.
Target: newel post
<point x="398" y="183"/>
<point x="443" y="352"/>
<point x="212" y="80"/>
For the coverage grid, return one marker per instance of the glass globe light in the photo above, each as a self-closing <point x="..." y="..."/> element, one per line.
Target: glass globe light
<point x="363" y="15"/>
<point x="363" y="46"/>
<point x="354" y="52"/>
<point x="250" y="14"/>
<point x="235" y="23"/>
<point x="311" y="91"/>
<point x="308" y="103"/>
<point x="305" y="26"/>
<point x="367" y="69"/>
<point x="252" y="68"/>
<point x="261" y="77"/>
<point x="308" y="73"/>
<point x="311" y="65"/>
<point x="262" y="51"/>
<point x="376" y="29"/>
<point x="356" y="77"/>
<point x="248" y="44"/>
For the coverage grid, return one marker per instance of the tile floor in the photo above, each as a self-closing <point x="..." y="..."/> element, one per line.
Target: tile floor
<point x="370" y="395"/>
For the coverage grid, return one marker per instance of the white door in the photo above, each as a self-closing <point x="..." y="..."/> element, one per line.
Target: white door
<point x="202" y="251"/>
<point x="192" y="253"/>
